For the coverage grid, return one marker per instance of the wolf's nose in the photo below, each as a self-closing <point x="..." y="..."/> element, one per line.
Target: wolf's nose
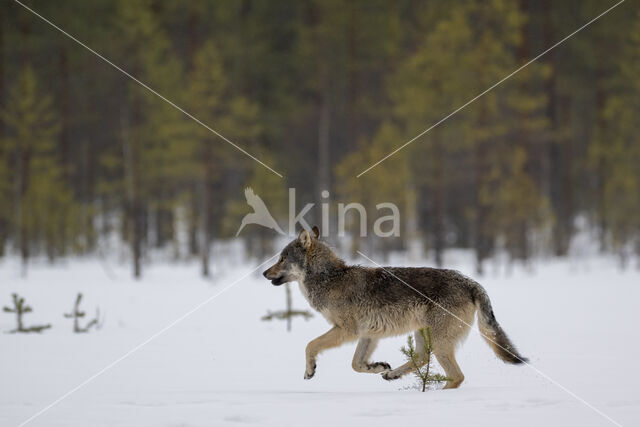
<point x="265" y="273"/>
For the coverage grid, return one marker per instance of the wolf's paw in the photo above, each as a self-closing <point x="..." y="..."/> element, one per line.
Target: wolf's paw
<point x="308" y="374"/>
<point x="377" y="367"/>
<point x="390" y="376"/>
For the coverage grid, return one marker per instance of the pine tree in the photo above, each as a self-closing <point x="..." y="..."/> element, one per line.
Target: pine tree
<point x="420" y="98"/>
<point x="389" y="182"/>
<point x="475" y="45"/>
<point x="77" y="314"/>
<point x="273" y="191"/>
<point x="5" y="197"/>
<point x="289" y="313"/>
<point x="45" y="211"/>
<point x="617" y="150"/>
<point x="147" y="126"/>
<point x="20" y="308"/>
<point x="421" y="360"/>
<point x="316" y="84"/>
<point x="582" y="80"/>
<point x="518" y="205"/>
<point x="213" y="160"/>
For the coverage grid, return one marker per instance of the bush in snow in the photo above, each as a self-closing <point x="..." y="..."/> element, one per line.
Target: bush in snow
<point x="20" y="308"/>
<point x="287" y="314"/>
<point x="77" y="314"/>
<point x="422" y="360"/>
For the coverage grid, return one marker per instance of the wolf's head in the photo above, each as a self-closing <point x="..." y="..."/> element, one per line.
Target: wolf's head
<point x="293" y="258"/>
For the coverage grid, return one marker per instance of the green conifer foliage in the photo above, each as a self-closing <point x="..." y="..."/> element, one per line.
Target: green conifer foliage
<point x="617" y="151"/>
<point x="422" y="360"/>
<point x="20" y="308"/>
<point x="44" y="211"/>
<point x="289" y="313"/>
<point x="77" y="314"/>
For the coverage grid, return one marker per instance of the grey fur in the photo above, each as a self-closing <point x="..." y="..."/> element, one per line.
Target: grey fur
<point x="368" y="304"/>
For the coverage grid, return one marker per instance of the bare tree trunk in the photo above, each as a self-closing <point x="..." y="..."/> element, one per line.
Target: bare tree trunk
<point x="22" y="163"/>
<point x="289" y="307"/>
<point x="86" y="214"/>
<point x="410" y="229"/>
<point x="324" y="146"/>
<point x="133" y="212"/>
<point x="523" y="139"/>
<point x="601" y="173"/>
<point x="205" y="245"/>
<point x="481" y="210"/>
<point x="556" y="165"/>
<point x="545" y="158"/>
<point x="205" y="211"/>
<point x="4" y="226"/>
<point x="193" y="224"/>
<point x="65" y="115"/>
<point x="352" y="111"/>
<point x="22" y="233"/>
<point x="438" y="205"/>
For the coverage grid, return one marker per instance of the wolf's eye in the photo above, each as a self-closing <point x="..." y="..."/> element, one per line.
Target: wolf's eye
<point x="281" y="258"/>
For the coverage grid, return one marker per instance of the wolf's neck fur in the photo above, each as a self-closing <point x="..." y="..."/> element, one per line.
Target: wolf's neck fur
<point x="322" y="263"/>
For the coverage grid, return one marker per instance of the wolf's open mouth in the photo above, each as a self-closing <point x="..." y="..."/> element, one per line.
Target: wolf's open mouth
<point x="277" y="281"/>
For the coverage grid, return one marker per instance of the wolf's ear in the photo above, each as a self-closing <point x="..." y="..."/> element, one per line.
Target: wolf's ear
<point x="305" y="239"/>
<point x="316" y="231"/>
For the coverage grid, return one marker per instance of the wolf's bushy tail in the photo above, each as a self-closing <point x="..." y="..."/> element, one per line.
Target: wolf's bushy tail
<point x="491" y="330"/>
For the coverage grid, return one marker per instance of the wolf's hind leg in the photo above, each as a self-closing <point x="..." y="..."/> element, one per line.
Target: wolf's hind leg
<point x="364" y="350"/>
<point x="333" y="338"/>
<point x="447" y="359"/>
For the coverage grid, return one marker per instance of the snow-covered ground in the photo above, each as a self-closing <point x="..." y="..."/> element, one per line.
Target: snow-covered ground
<point x="576" y="321"/>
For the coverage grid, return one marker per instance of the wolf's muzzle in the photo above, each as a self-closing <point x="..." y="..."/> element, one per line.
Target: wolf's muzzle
<point x="277" y="281"/>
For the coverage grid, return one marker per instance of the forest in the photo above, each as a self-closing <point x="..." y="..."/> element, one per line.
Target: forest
<point x="91" y="162"/>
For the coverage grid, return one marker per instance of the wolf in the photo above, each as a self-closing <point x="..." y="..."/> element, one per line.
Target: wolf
<point x="366" y="304"/>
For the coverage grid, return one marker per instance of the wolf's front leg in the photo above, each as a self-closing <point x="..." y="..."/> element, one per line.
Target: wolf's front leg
<point x="333" y="338"/>
<point x="364" y="350"/>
